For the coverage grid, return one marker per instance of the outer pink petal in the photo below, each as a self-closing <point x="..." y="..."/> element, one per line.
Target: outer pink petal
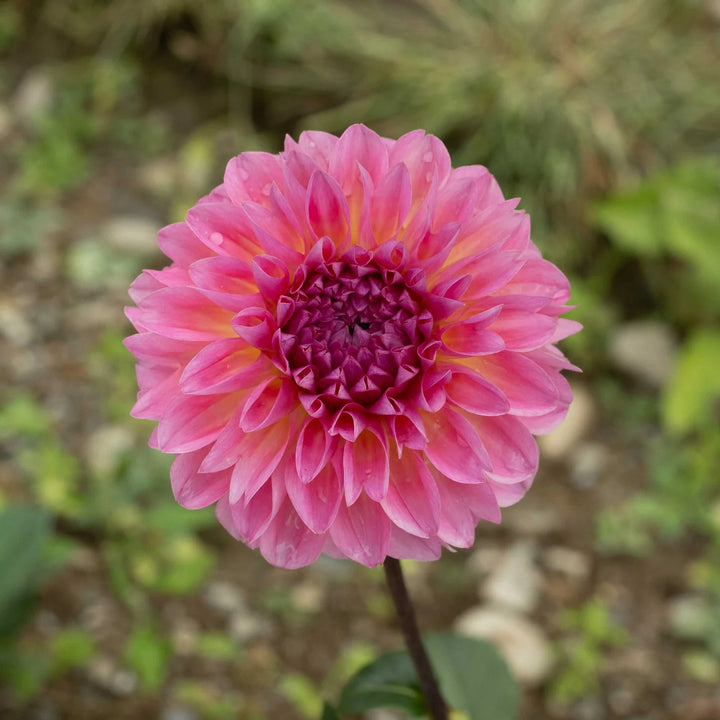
<point x="455" y="448"/>
<point x="410" y="547"/>
<point x="225" y="366"/>
<point x="326" y="209"/>
<point x="191" y="422"/>
<point x="152" y="402"/>
<point x="512" y="449"/>
<point x="252" y="516"/>
<point x="318" y="501"/>
<point x="362" y="531"/>
<point x="313" y="449"/>
<point x="412" y="501"/>
<point x="184" y="314"/>
<point x="358" y="145"/>
<point x="474" y="393"/>
<point x="193" y="489"/>
<point x="521" y="330"/>
<point x="258" y="454"/>
<point x="365" y="466"/>
<point x="250" y="175"/>
<point x="181" y="244"/>
<point x="461" y="508"/>
<point x="288" y="543"/>
<point x="318" y="145"/>
<point x="225" y="230"/>
<point x="528" y="388"/>
<point x="390" y="203"/>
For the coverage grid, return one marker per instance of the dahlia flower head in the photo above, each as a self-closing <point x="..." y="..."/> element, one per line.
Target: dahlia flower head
<point x="351" y="349"/>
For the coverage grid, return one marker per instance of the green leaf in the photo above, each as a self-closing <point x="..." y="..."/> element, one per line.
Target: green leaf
<point x="695" y="385"/>
<point x="389" y="681"/>
<point x="24" y="532"/>
<point x="147" y="653"/>
<point x="473" y="677"/>
<point x="330" y="713"/>
<point x="71" y="648"/>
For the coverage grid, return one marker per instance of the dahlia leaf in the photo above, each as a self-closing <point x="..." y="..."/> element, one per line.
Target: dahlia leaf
<point x="473" y="677"/>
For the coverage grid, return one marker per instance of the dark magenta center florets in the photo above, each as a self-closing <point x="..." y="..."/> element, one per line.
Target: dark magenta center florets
<point x="350" y="333"/>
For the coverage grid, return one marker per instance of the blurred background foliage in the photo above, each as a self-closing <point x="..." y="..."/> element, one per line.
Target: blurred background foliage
<point x="116" y="116"/>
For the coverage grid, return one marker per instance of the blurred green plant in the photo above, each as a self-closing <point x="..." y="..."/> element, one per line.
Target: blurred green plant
<point x="590" y="632"/>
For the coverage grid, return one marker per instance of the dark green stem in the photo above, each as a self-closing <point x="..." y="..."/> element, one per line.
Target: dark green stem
<point x="408" y="624"/>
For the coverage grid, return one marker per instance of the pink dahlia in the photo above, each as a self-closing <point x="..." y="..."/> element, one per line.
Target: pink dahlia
<point x="351" y="349"/>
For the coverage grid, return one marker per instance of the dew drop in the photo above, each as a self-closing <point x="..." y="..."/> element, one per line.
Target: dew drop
<point x="216" y="238"/>
<point x="428" y="177"/>
<point x="266" y="190"/>
<point x="427" y="157"/>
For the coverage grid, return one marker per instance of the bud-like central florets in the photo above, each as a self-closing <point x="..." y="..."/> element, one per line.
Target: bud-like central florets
<point x="350" y="332"/>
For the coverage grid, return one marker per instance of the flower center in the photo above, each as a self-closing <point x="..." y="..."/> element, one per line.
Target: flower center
<point x="350" y="332"/>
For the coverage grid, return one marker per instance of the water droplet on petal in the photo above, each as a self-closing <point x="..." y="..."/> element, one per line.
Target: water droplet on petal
<point x="428" y="177"/>
<point x="428" y="156"/>
<point x="216" y="238"/>
<point x="266" y="190"/>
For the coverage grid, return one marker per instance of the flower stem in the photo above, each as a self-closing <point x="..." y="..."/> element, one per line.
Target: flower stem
<point x="408" y="624"/>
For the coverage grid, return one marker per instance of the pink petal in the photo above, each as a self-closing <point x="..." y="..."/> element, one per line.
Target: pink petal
<point x="313" y="449"/>
<point x="258" y="454"/>
<point x="362" y="531"/>
<point x="390" y="203"/>
<point x="326" y="209"/>
<point x="521" y="330"/>
<point x="512" y="449"/>
<point x="455" y="448"/>
<point x="528" y="388"/>
<point x="224" y="366"/>
<point x="181" y="244"/>
<point x="150" y="347"/>
<point x="472" y="392"/>
<point x="358" y="145"/>
<point x="318" y="501"/>
<point x="224" y="229"/>
<point x="412" y="501"/>
<point x="249" y="176"/>
<point x="191" y="422"/>
<point x="288" y="543"/>
<point x="318" y="145"/>
<point x="471" y="336"/>
<point x="424" y="156"/>
<point x="252" y="516"/>
<point x="193" y="489"/>
<point x="272" y="399"/>
<point x="271" y="276"/>
<point x="184" y="314"/>
<point x="461" y="508"/>
<point x="153" y="402"/>
<point x="255" y="326"/>
<point x="410" y="547"/>
<point x="365" y="465"/>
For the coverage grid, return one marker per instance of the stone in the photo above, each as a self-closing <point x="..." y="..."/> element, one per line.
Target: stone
<point x="522" y="643"/>
<point x="35" y="94"/>
<point x="104" y="672"/>
<point x="224" y="597"/>
<point x="587" y="463"/>
<point x="645" y="350"/>
<point x="526" y="519"/>
<point x="558" y="444"/>
<point x="105" y="446"/>
<point x="689" y="616"/>
<point x="179" y="712"/>
<point x="244" y="626"/>
<point x="515" y="581"/>
<point x="571" y="563"/>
